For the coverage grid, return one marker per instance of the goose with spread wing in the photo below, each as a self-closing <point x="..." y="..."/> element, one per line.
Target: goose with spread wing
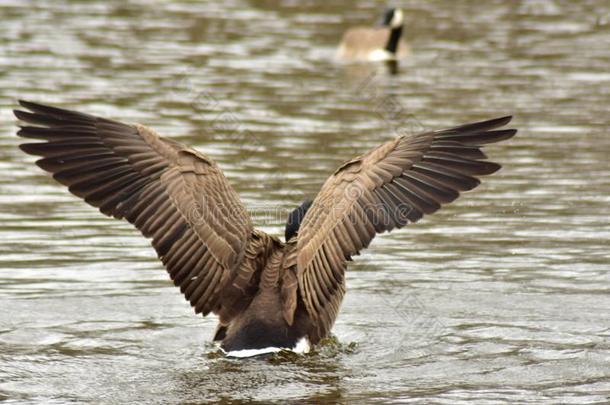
<point x="266" y="293"/>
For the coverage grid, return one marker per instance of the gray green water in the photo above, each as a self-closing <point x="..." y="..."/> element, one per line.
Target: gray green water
<point x="502" y="297"/>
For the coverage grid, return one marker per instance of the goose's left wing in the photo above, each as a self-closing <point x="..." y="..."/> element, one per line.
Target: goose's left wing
<point x="173" y="194"/>
<point x="390" y="186"/>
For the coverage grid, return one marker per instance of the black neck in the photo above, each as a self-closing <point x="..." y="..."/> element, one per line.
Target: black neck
<point x="395" y="34"/>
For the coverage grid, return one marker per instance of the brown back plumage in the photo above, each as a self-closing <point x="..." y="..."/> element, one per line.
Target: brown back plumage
<point x="264" y="291"/>
<point x="358" y="43"/>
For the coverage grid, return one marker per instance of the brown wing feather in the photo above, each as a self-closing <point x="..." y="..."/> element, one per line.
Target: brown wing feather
<point x="392" y="185"/>
<point x="172" y="194"/>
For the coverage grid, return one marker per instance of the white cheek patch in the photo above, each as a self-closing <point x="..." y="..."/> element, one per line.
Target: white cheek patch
<point x="301" y="347"/>
<point x="397" y="19"/>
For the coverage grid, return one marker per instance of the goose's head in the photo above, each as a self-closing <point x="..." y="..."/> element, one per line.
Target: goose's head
<point x="393" y="18"/>
<point x="294" y="220"/>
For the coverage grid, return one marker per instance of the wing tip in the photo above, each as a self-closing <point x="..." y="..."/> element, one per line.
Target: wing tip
<point x="28" y="148"/>
<point x="26" y="116"/>
<point x="46" y="112"/>
<point x="494" y="136"/>
<point x="492" y="167"/>
<point x="507" y="134"/>
<point x="30" y="105"/>
<point x="21" y="115"/>
<point x="480" y="126"/>
<point x="503" y="120"/>
<point x="495" y="122"/>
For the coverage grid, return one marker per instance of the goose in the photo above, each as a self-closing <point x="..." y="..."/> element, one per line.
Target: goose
<point x="268" y="294"/>
<point x="375" y="44"/>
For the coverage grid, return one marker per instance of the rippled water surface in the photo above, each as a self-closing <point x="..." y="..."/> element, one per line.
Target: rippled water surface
<point x="503" y="296"/>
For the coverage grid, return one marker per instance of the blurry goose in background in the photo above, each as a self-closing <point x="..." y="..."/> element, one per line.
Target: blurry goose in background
<point x="268" y="294"/>
<point x="376" y="44"/>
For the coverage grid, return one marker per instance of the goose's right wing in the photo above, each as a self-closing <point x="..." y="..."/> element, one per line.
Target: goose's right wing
<point x="392" y="185"/>
<point x="171" y="193"/>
